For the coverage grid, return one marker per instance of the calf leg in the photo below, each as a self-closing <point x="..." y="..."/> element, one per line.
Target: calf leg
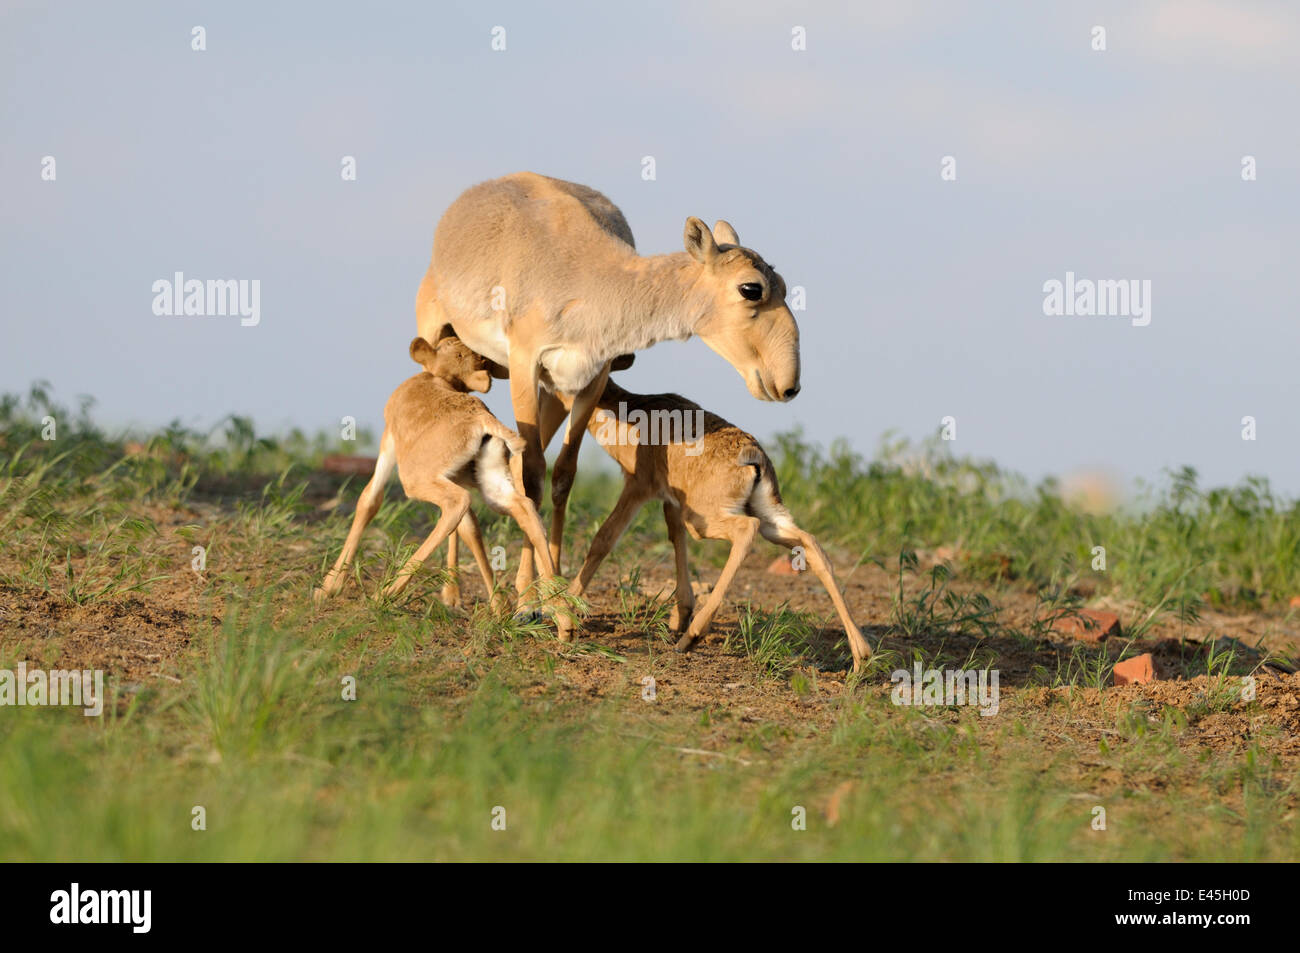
<point x="451" y="588"/>
<point x="454" y="501"/>
<point x="628" y="505"/>
<point x="784" y="532"/>
<point x="469" y="531"/>
<point x="741" y="530"/>
<point x="502" y="487"/>
<point x="684" y="596"/>
<point x="367" y="506"/>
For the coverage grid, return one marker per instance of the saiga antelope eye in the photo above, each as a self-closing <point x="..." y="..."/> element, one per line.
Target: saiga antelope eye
<point x="751" y="291"/>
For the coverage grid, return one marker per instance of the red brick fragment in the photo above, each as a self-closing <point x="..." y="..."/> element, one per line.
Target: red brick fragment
<point x="1136" y="671"/>
<point x="1091" y="625"/>
<point x="351" y="466"/>
<point x="781" y="567"/>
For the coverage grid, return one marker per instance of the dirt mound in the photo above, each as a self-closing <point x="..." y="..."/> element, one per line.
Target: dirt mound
<point x="131" y="639"/>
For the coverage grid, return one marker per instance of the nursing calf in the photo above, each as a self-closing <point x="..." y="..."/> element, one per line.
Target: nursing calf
<point x="445" y="442"/>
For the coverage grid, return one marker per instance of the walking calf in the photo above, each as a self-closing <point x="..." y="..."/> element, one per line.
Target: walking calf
<point x="716" y="482"/>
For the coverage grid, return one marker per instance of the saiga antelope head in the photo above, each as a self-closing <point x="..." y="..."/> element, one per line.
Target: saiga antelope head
<point x="747" y="320"/>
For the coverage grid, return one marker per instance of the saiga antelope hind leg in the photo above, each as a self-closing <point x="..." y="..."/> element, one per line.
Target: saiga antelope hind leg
<point x="525" y="515"/>
<point x="524" y="399"/>
<point x="790" y="536"/>
<point x="580" y="407"/>
<point x="551" y="413"/>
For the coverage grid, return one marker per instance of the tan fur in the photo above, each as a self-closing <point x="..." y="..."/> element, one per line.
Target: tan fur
<point x="445" y="442"/>
<point x="727" y="490"/>
<point x="559" y="260"/>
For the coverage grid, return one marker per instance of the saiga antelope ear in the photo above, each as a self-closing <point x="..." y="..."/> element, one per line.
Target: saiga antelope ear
<point x="724" y="234"/>
<point x="422" y="352"/>
<point x="699" y="241"/>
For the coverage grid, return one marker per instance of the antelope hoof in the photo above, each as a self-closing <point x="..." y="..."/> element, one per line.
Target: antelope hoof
<point x="529" y="616"/>
<point x="684" y="643"/>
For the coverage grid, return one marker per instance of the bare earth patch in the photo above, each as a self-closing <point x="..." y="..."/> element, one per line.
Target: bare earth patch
<point x="145" y="635"/>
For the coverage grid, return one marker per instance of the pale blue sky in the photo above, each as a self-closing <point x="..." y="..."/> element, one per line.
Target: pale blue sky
<point x="924" y="296"/>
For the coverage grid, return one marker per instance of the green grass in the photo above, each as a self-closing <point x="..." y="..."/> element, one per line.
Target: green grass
<point x="1170" y="547"/>
<point x="459" y="714"/>
<point x="259" y="736"/>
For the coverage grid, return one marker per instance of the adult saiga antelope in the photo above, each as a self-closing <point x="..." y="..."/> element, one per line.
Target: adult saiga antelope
<point x="541" y="277"/>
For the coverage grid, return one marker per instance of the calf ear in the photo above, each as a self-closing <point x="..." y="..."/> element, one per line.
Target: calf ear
<point x="724" y="234"/>
<point x="422" y="352"/>
<point x="699" y="241"/>
<point x="622" y="362"/>
<point x="480" y="381"/>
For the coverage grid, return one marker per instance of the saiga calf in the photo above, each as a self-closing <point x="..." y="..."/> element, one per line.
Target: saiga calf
<point x="445" y="442"/>
<point x="718" y="484"/>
